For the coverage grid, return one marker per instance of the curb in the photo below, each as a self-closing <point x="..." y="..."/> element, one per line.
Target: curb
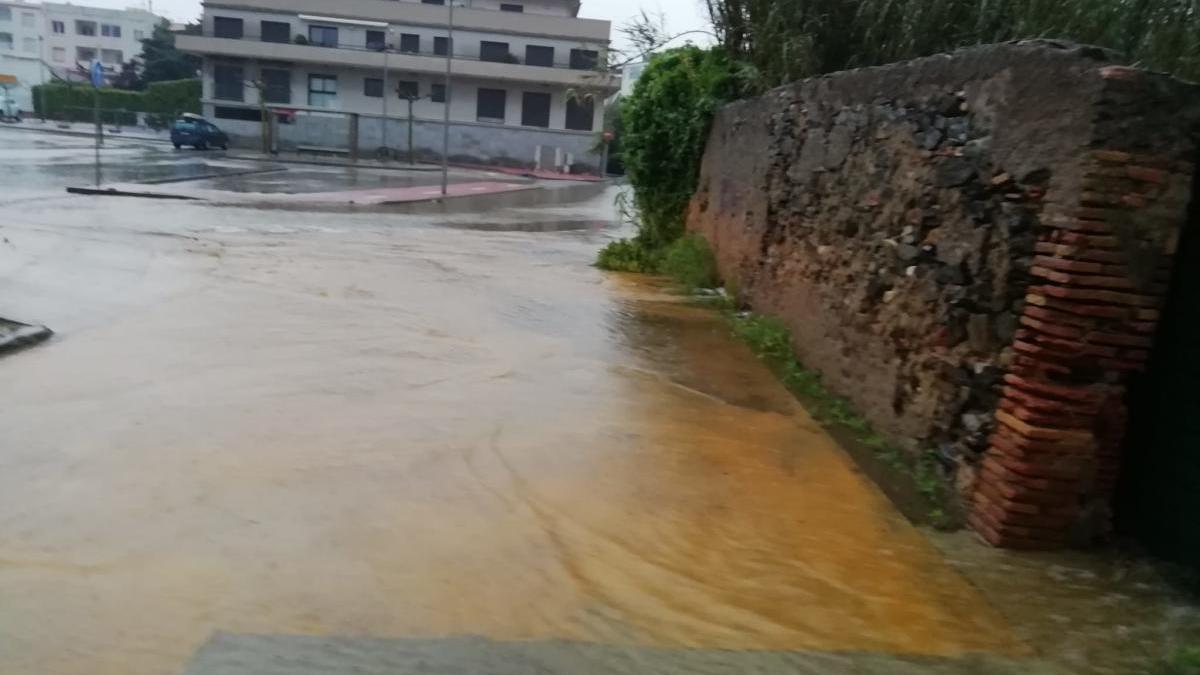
<point x="24" y="336"/>
<point x="113" y="192"/>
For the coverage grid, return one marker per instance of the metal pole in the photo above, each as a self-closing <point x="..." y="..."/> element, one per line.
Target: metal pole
<point x="449" y="96"/>
<point x="96" y="119"/>
<point x="412" y="158"/>
<point x="42" y="73"/>
<point x="386" y="90"/>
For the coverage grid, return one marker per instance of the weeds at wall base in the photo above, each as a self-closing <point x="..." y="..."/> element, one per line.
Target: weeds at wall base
<point x="910" y="476"/>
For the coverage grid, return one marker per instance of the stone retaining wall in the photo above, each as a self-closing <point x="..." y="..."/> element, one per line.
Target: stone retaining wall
<point x="973" y="249"/>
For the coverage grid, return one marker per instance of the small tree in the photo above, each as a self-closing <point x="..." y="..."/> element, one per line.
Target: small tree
<point x="163" y="61"/>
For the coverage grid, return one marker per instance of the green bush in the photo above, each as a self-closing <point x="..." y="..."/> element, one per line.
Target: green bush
<point x="690" y="261"/>
<point x="628" y="255"/>
<point x="74" y="103"/>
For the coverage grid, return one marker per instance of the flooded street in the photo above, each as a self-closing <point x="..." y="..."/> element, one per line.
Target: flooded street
<point x="437" y="440"/>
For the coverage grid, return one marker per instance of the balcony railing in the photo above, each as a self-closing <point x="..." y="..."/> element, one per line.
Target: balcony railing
<point x="587" y="62"/>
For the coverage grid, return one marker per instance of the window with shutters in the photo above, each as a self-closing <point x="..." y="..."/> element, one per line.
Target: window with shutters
<point x="490" y="105"/>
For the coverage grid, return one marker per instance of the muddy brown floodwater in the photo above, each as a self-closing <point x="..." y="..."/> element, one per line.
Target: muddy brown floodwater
<point x="319" y="443"/>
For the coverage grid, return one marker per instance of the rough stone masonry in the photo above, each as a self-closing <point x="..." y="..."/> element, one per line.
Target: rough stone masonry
<point x="974" y="249"/>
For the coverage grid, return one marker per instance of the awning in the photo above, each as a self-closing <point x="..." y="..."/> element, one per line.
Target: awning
<point x="350" y="22"/>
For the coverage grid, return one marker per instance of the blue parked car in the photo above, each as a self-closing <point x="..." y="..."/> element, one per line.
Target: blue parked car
<point x="197" y="132"/>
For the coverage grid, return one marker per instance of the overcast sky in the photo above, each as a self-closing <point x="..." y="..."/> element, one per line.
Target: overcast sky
<point x="681" y="15"/>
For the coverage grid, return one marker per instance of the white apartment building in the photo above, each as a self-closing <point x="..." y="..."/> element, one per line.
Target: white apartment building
<point x="20" y="50"/>
<point x="525" y="74"/>
<point x="41" y="41"/>
<point x="79" y="36"/>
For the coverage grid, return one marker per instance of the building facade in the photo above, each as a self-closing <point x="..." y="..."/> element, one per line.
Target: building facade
<point x="77" y="36"/>
<point x="20" y="51"/>
<point x="40" y="42"/>
<point x="527" y="78"/>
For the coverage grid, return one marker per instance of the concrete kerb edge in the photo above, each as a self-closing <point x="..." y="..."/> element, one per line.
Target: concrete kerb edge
<point x="25" y="336"/>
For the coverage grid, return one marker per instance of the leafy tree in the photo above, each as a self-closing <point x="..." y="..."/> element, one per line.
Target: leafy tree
<point x="129" y="79"/>
<point x="162" y="62"/>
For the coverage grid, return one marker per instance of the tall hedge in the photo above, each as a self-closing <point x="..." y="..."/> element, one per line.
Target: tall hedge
<point x="74" y="103"/>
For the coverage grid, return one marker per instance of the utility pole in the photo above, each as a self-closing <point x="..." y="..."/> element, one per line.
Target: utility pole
<point x="449" y="96"/>
<point x="387" y="35"/>
<point x="42" y="73"/>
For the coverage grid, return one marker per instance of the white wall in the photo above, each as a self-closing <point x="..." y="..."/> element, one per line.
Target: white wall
<point x="351" y="97"/>
<point x="355" y="37"/>
<point x="134" y="24"/>
<point x="24" y="24"/>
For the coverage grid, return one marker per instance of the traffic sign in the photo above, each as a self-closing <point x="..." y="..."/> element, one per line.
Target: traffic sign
<point x="97" y="75"/>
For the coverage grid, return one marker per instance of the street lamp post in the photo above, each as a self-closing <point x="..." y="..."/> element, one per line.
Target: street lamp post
<point x="387" y="35"/>
<point x="449" y="96"/>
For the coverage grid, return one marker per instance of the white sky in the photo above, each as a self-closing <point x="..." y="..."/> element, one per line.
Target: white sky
<point x="681" y="15"/>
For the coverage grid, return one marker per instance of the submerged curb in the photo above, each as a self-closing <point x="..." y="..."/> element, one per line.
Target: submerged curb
<point x="14" y="336"/>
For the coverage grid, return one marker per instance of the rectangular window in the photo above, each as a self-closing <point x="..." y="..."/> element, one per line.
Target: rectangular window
<point x="110" y="30"/>
<point x="244" y="114"/>
<point x="536" y="55"/>
<point x="506" y="7"/>
<point x="276" y="31"/>
<point x="85" y="54"/>
<point x="580" y="114"/>
<point x="584" y="59"/>
<point x="227" y="27"/>
<point x="87" y="28"/>
<point x="535" y="109"/>
<point x="28" y="19"/>
<point x="373" y="87"/>
<point x="406" y="90"/>
<point x="6" y="42"/>
<point x="5" y="14"/>
<point x="228" y="83"/>
<point x="433" y="2"/>
<point x="59" y="55"/>
<point x="277" y="85"/>
<point x="139" y="35"/>
<point x="437" y="93"/>
<point x="323" y="36"/>
<point x="491" y="104"/>
<point x="322" y="91"/>
<point x="58" y="27"/>
<point x="29" y="45"/>
<point x="494" y="51"/>
<point x="376" y="40"/>
<point x="111" y="56"/>
<point x="410" y="43"/>
<point x="441" y="46"/>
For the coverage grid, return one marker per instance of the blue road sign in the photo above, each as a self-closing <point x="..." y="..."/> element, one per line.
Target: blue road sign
<point x="97" y="75"/>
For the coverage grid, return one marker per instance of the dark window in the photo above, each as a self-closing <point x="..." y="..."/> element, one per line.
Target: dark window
<point x="535" y="109"/>
<point x="376" y="40"/>
<point x="584" y="59"/>
<point x="494" y="51"/>
<point x="229" y="83"/>
<point x="491" y="104"/>
<point x="505" y="7"/>
<point x="323" y="36"/>
<point x="407" y="89"/>
<point x="244" y="114"/>
<point x="322" y="90"/>
<point x="441" y="45"/>
<point x="437" y="93"/>
<point x="580" y="114"/>
<point x="373" y="87"/>
<point x="410" y="44"/>
<point x="87" y="28"/>
<point x="277" y="85"/>
<point x="226" y="27"/>
<point x="539" y="56"/>
<point x="276" y="31"/>
<point x="433" y="2"/>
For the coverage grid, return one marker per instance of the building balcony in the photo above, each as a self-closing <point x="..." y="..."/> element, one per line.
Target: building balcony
<point x="470" y="67"/>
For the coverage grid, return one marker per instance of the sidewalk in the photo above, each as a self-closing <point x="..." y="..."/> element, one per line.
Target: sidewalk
<point x="88" y="130"/>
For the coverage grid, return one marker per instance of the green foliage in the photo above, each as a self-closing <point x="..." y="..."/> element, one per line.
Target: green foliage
<point x="690" y="261"/>
<point x="628" y="255"/>
<point x="1184" y="662"/>
<point x="666" y="120"/>
<point x="162" y="62"/>
<point x="74" y="103"/>
<point x="781" y="41"/>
